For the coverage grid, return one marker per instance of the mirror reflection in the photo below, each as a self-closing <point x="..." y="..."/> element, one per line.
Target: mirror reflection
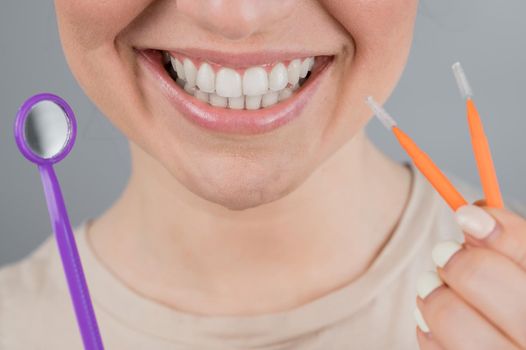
<point x="47" y="129"/>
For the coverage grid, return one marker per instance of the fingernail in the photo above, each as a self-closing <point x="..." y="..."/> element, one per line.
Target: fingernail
<point x="475" y="221"/>
<point x="420" y="322"/>
<point x="443" y="251"/>
<point x="427" y="282"/>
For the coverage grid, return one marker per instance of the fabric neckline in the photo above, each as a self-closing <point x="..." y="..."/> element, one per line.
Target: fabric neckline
<point x="113" y="297"/>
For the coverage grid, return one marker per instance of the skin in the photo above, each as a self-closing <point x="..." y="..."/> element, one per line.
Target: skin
<point x="210" y="222"/>
<point x="482" y="304"/>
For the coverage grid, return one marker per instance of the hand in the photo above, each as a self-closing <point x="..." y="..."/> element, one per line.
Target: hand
<point x="478" y="298"/>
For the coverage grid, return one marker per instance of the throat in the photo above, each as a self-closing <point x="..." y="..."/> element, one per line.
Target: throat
<point x="284" y="254"/>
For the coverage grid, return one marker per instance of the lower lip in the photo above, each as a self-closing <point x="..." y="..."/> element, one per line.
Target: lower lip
<point x="232" y="121"/>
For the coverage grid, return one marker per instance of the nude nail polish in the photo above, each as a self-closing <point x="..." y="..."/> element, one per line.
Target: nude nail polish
<point x="443" y="251"/>
<point x="427" y="283"/>
<point x="420" y="322"/>
<point x="475" y="221"/>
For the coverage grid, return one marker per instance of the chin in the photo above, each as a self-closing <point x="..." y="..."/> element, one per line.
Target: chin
<point x="243" y="189"/>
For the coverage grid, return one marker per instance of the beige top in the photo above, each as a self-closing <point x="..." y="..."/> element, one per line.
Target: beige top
<point x="373" y="312"/>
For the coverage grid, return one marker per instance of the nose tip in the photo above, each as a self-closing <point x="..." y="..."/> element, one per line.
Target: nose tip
<point x="236" y="19"/>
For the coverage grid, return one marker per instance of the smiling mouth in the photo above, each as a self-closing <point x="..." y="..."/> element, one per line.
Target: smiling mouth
<point x="250" y="88"/>
<point x="249" y="93"/>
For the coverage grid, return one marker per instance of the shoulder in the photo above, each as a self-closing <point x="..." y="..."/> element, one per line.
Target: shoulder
<point x="27" y="289"/>
<point x="26" y="277"/>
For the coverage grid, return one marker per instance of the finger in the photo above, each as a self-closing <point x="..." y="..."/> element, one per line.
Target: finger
<point x="426" y="341"/>
<point x="497" y="229"/>
<point x="456" y="325"/>
<point x="489" y="282"/>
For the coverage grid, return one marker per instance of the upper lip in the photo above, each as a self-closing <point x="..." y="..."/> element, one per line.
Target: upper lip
<point x="242" y="59"/>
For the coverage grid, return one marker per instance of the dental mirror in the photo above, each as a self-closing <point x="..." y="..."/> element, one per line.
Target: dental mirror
<point x="45" y="130"/>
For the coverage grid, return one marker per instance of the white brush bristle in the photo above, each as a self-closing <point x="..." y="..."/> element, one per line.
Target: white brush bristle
<point x="462" y="81"/>
<point x="381" y="113"/>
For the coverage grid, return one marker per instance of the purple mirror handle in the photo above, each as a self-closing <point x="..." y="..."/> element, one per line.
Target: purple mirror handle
<point x="78" y="287"/>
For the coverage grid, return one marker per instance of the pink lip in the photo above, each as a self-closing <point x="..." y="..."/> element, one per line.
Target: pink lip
<point x="247" y="122"/>
<point x="240" y="60"/>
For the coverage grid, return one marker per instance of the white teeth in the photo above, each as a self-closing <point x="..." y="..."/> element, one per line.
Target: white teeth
<point x="311" y="62"/>
<point x="189" y="88"/>
<point x="180" y="82"/>
<point x="278" y="77"/>
<point x="253" y="102"/>
<point x="293" y="71"/>
<point x="190" y="72"/>
<point x="236" y="102"/>
<point x="178" y="67"/>
<point x="218" y="101"/>
<point x="255" y="81"/>
<point x="203" y="96"/>
<point x="205" y="79"/>
<point x="284" y="94"/>
<point x="269" y="99"/>
<point x="253" y="89"/>
<point x="228" y="83"/>
<point x="306" y="65"/>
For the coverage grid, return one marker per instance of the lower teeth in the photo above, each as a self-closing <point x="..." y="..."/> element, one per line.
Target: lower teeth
<point x="242" y="102"/>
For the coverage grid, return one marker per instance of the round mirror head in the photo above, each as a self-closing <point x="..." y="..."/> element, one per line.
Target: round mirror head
<point x="45" y="129"/>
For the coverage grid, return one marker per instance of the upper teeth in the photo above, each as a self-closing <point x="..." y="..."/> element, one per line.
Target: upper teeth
<point x="252" y="88"/>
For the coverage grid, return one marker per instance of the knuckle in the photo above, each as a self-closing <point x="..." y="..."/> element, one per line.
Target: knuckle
<point x="515" y="245"/>
<point x="521" y="340"/>
<point x="441" y="308"/>
<point x="521" y="255"/>
<point x="473" y="265"/>
<point x="521" y="332"/>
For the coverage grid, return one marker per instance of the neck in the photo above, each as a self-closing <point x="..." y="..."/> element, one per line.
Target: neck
<point x="200" y="257"/>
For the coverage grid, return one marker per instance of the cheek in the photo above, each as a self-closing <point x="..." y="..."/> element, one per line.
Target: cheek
<point x="92" y="23"/>
<point x="372" y="18"/>
<point x="88" y="31"/>
<point x="382" y="33"/>
<point x="379" y="39"/>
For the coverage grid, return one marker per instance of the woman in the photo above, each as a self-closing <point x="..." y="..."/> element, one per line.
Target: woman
<point x="258" y="215"/>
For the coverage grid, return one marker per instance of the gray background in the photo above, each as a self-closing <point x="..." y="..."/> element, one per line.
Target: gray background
<point x="487" y="36"/>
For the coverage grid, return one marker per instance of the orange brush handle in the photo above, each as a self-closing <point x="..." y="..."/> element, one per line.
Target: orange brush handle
<point x="437" y="179"/>
<point x="482" y="152"/>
